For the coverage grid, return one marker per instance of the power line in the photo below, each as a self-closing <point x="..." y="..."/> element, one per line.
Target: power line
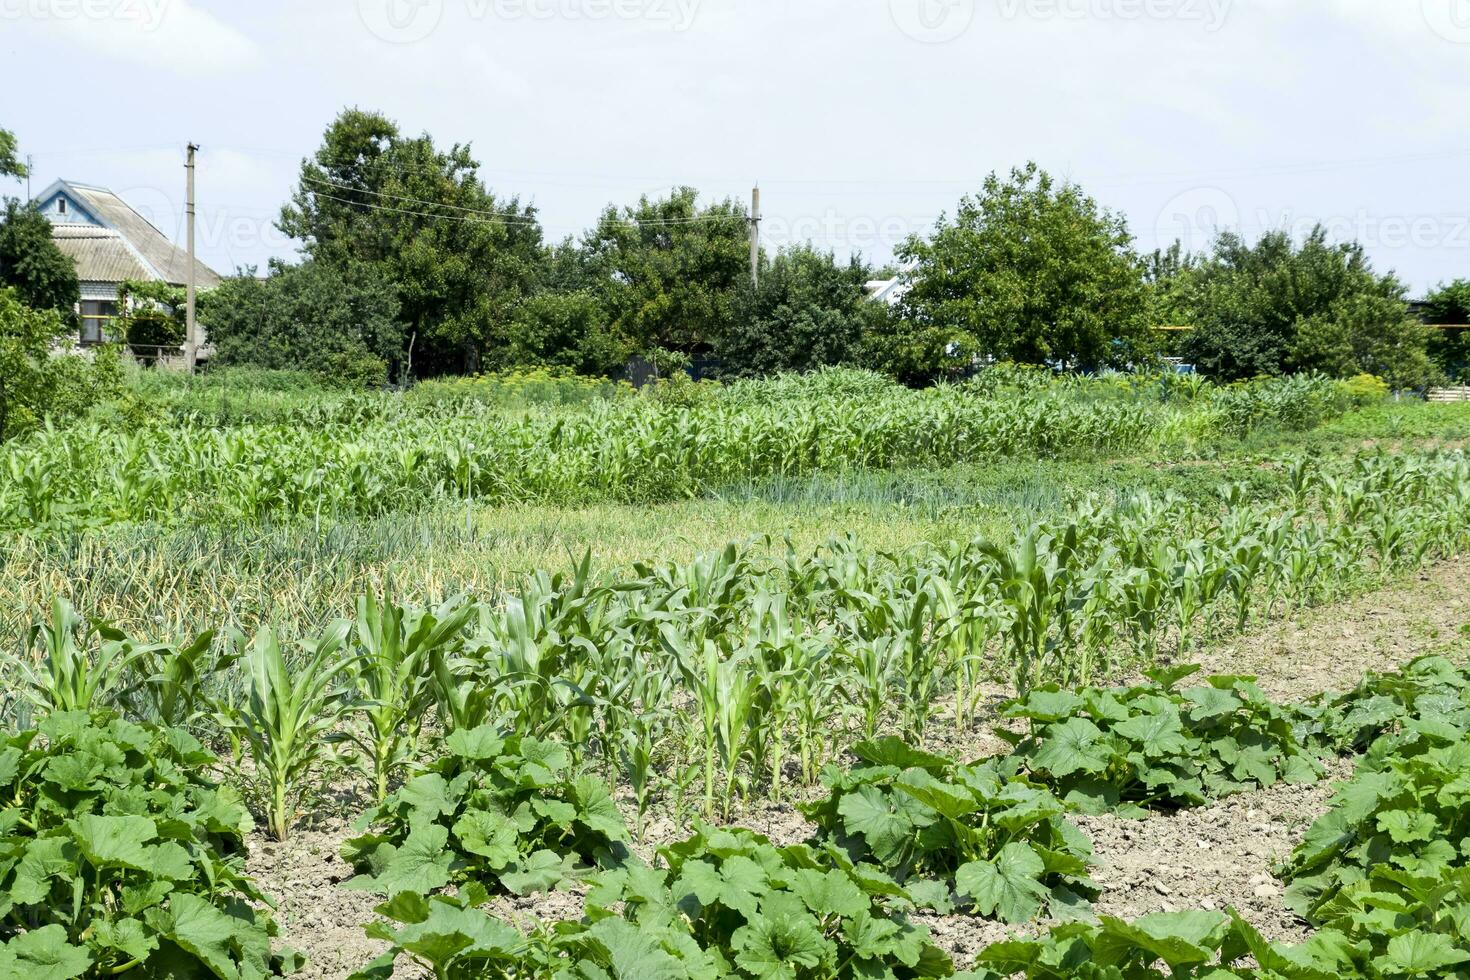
<point x="478" y="220"/>
<point x="511" y="217"/>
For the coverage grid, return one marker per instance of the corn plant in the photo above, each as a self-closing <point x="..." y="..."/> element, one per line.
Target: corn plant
<point x="287" y="717"/>
<point x="393" y="680"/>
<point x="70" y="677"/>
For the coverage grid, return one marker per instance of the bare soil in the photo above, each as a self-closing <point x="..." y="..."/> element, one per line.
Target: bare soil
<point x="1214" y="857"/>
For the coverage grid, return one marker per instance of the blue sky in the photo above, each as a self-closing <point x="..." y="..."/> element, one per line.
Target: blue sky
<point x="863" y="120"/>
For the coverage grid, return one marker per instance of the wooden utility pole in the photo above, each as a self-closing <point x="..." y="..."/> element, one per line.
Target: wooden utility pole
<point x="191" y="326"/>
<point x="755" y="236"/>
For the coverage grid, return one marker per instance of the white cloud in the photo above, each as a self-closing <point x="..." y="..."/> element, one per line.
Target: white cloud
<point x="159" y="35"/>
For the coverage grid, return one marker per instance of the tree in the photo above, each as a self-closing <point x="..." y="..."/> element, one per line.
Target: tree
<point x="461" y="259"/>
<point x="808" y="312"/>
<point x="36" y="383"/>
<point x="668" y="271"/>
<point x="341" y="322"/>
<point x="30" y="263"/>
<point x="563" y="330"/>
<point x="1365" y="334"/>
<point x="1031" y="270"/>
<point x="1248" y="305"/>
<point x="1450" y="349"/>
<point x="10" y="164"/>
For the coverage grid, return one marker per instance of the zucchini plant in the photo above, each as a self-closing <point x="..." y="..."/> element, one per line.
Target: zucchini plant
<point x="119" y="858"/>
<point x="949" y="833"/>
<point x="497" y="811"/>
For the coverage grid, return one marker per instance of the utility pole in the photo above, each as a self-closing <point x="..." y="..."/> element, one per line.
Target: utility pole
<point x="191" y="326"/>
<point x="755" y="236"/>
<point x="30" y="169"/>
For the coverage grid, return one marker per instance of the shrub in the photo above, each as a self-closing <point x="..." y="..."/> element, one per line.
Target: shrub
<point x="37" y="383"/>
<point x="1365" y="389"/>
<point x="498" y="812"/>
<point x="118" y="855"/>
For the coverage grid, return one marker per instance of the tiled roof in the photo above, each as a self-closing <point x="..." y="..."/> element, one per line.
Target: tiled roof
<point x="101" y="254"/>
<point x="163" y="255"/>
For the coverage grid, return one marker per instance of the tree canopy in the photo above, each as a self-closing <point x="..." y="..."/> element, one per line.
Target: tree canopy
<point x="1277" y="307"/>
<point x="43" y="277"/>
<point x="10" y="163"/>
<point x="1030" y="270"/>
<point x="1450" y="349"/>
<point x="808" y="312"/>
<point x="668" y="271"/>
<point x="460" y="258"/>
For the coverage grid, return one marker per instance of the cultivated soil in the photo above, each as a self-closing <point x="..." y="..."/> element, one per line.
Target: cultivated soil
<point x="1213" y="857"/>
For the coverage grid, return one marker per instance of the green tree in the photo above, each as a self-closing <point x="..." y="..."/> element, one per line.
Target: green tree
<point x="461" y="259"/>
<point x="1030" y="270"/>
<point x="808" y="312"/>
<point x="1450" y="349"/>
<point x="1365" y="334"/>
<point x="36" y="382"/>
<point x="10" y="164"/>
<point x="30" y="262"/>
<point x="1248" y="304"/>
<point x="565" y="330"/>
<point x="341" y="322"/>
<point x="668" y="271"/>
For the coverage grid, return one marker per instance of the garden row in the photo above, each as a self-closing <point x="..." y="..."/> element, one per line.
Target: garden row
<point x="639" y="449"/>
<point x="703" y="684"/>
<point x="117" y="855"/>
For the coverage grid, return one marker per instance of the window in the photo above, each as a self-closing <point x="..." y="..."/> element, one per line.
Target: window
<point x="97" y="316"/>
<point x="61" y="205"/>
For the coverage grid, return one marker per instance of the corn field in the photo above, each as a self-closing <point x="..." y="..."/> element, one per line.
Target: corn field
<point x="709" y="682"/>
<point x="630" y="449"/>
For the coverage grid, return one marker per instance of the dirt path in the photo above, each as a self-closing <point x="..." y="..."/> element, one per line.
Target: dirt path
<point x="1330" y="648"/>
<point x="1212" y="857"/>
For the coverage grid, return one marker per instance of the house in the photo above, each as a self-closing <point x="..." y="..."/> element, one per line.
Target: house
<point x="111" y="243"/>
<point x="891" y="291"/>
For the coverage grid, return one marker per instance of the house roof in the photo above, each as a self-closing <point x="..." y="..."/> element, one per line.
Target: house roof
<point x="101" y="254"/>
<point x="161" y="258"/>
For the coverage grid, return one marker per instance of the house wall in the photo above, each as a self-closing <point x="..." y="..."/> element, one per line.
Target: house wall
<point x="51" y="208"/>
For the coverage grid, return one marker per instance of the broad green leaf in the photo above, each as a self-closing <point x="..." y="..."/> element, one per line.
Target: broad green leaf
<point x="43" y="954"/>
<point x="114" y="841"/>
<point x="1009" y="886"/>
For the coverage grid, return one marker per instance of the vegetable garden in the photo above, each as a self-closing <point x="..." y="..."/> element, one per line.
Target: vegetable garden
<point x="509" y="747"/>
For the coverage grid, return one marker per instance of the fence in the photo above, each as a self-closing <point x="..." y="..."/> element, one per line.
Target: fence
<point x="1449" y="394"/>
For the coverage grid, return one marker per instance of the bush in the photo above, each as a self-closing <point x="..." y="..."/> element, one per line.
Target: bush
<point x="121" y="856"/>
<point x="341" y="326"/>
<point x="154" y="328"/>
<point x="37" y="383"/>
<point x="1365" y="389"/>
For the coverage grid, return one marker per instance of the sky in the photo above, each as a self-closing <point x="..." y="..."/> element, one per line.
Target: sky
<point x="862" y="120"/>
